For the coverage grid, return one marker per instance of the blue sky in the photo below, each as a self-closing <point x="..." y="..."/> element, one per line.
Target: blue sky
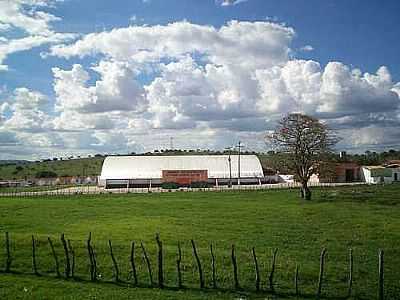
<point x="83" y="86"/>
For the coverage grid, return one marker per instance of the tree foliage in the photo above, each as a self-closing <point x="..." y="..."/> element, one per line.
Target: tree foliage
<point x="46" y="174"/>
<point x="305" y="140"/>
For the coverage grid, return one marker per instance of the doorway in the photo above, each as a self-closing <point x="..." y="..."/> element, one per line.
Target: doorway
<point x="349" y="175"/>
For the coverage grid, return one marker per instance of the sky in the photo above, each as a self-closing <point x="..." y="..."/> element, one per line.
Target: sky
<point x="97" y="76"/>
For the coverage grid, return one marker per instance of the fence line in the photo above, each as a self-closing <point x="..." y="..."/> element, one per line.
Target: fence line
<point x="95" y="190"/>
<point x="69" y="271"/>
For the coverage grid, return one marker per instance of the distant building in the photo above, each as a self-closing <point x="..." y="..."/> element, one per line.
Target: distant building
<point x="395" y="167"/>
<point x="377" y="174"/>
<point x="341" y="172"/>
<point x="145" y="171"/>
<point x="348" y="172"/>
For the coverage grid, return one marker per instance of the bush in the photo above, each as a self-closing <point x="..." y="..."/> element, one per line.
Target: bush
<point x="170" y="185"/>
<point x="200" y="184"/>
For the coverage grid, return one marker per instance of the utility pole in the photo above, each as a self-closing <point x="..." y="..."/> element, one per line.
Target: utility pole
<point x="239" y="147"/>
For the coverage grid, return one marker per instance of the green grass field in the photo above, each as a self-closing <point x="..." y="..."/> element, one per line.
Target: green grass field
<point x="363" y="218"/>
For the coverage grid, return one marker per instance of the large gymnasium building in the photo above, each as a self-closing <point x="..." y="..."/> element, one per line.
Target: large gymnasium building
<point x="148" y="171"/>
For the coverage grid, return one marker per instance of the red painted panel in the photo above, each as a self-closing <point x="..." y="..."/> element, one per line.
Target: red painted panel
<point x="184" y="176"/>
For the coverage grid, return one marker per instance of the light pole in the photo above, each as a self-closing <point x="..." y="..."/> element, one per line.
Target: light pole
<point x="230" y="166"/>
<point x="239" y="146"/>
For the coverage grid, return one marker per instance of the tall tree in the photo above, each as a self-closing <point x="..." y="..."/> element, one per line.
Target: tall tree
<point x="306" y="140"/>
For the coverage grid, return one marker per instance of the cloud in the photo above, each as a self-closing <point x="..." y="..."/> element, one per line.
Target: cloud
<point x="4" y="27"/>
<point x="201" y="79"/>
<point x="28" y="16"/>
<point x="25" y="14"/>
<point x="230" y="2"/>
<point x="264" y="43"/>
<point x="116" y="90"/>
<point x="17" y="45"/>
<point x="204" y="86"/>
<point x="7" y="138"/>
<point x="27" y="111"/>
<point x="307" y="48"/>
<point x="185" y="94"/>
<point x="332" y="92"/>
<point x="370" y="137"/>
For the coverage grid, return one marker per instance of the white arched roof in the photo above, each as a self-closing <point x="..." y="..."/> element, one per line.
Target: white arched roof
<point x="151" y="167"/>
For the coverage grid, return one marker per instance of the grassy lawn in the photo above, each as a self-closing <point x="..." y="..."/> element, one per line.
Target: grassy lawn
<point x="363" y="218"/>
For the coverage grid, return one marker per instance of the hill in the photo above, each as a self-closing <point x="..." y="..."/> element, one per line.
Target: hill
<point x="71" y="167"/>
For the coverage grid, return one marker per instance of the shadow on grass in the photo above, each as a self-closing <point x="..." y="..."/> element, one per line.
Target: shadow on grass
<point x="264" y="294"/>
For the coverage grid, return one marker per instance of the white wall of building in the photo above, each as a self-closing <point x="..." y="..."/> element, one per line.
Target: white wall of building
<point x="368" y="178"/>
<point x="396" y="175"/>
<point x="151" y="167"/>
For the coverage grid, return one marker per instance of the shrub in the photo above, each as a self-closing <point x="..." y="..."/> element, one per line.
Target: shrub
<point x="46" y="174"/>
<point x="170" y="185"/>
<point x="200" y="184"/>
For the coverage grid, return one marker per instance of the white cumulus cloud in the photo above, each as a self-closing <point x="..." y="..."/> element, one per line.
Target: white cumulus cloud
<point x="230" y="2"/>
<point x="117" y="89"/>
<point x="27" y="111"/>
<point x="249" y="44"/>
<point x="28" y="16"/>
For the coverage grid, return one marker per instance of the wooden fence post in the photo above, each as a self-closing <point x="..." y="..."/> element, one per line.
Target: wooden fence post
<point x="321" y="272"/>
<point x="115" y="264"/>
<point x="178" y="266"/>
<point x="272" y="273"/>
<point x="91" y="258"/>
<point x="133" y="266"/>
<point x="34" y="266"/>
<point x="53" y="251"/>
<point x="350" y="273"/>
<point x="94" y="262"/>
<point x="8" y="253"/>
<point x="201" y="279"/>
<point x="256" y="269"/>
<point x="67" y="262"/>
<point x="214" y="272"/>
<point x="148" y="264"/>
<point x="381" y="276"/>
<point x="71" y="250"/>
<point x="160" y="262"/>
<point x="235" y="268"/>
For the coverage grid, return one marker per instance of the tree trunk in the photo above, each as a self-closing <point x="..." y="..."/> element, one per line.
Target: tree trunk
<point x="305" y="191"/>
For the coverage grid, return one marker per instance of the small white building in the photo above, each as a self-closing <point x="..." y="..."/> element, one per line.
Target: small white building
<point x="395" y="172"/>
<point x="378" y="174"/>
